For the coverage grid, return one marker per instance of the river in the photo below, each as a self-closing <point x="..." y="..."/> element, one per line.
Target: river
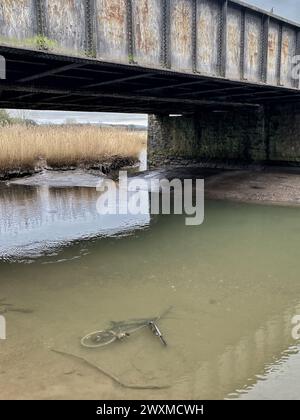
<point x="233" y="285"/>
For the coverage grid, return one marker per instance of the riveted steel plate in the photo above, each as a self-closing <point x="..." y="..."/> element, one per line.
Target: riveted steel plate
<point x="112" y="36"/>
<point x="65" y="23"/>
<point x="17" y="20"/>
<point x="253" y="47"/>
<point x="147" y="30"/>
<point x="208" y="36"/>
<point x="181" y="34"/>
<point x="234" y="36"/>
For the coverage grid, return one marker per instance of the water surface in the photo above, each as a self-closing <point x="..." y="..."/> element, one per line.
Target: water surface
<point x="233" y="284"/>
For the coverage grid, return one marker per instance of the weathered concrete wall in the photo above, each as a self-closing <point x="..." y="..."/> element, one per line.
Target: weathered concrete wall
<point x="283" y="133"/>
<point x="226" y="137"/>
<point x="270" y="135"/>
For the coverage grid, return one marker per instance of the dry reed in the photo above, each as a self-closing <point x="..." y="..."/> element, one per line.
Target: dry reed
<point x="22" y="146"/>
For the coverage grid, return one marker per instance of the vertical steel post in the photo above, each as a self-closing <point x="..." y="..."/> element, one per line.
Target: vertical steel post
<point x="297" y="80"/>
<point x="90" y="32"/>
<point x="194" y="36"/>
<point x="165" y="47"/>
<point x="243" y="40"/>
<point x="223" y="39"/>
<point x="130" y="40"/>
<point x="41" y="17"/>
<point x="264" y="52"/>
<point x="279" y="58"/>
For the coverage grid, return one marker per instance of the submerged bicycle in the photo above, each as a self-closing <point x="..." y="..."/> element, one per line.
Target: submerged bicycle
<point x="123" y="329"/>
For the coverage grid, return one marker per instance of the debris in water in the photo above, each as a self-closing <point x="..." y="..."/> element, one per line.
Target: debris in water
<point x="110" y="375"/>
<point x="123" y="329"/>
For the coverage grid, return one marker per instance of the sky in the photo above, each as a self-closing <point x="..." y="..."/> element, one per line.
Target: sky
<point x="289" y="9"/>
<point x="60" y="117"/>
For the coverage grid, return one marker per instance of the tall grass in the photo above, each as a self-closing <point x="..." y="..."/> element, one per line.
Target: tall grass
<point x="21" y="147"/>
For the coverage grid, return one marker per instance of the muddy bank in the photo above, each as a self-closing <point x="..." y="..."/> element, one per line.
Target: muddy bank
<point x="274" y="185"/>
<point x="105" y="167"/>
<point x="269" y="186"/>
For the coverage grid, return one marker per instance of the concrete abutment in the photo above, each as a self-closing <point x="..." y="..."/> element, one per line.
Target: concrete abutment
<point x="262" y="135"/>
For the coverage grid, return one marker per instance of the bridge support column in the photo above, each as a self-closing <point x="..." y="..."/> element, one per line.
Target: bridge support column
<point x="283" y="133"/>
<point x="269" y="135"/>
<point x="208" y="137"/>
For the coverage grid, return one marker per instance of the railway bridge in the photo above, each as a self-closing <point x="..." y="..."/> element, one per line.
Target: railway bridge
<point x="218" y="78"/>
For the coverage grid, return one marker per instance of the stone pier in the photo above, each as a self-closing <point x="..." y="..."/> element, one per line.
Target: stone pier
<point x="263" y="135"/>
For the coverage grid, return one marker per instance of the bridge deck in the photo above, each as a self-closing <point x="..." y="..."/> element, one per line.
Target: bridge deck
<point x="144" y="55"/>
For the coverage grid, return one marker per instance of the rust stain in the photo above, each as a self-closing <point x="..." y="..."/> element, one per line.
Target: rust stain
<point x="205" y="55"/>
<point x="145" y="36"/>
<point x="208" y="36"/>
<point x="66" y="22"/>
<point x="11" y="4"/>
<point x="285" y="48"/>
<point x="272" y="46"/>
<point x="182" y="27"/>
<point x="234" y="42"/>
<point x="16" y="18"/>
<point x="253" y="49"/>
<point x="272" y="54"/>
<point x="113" y="12"/>
<point x="59" y="9"/>
<point x="112" y="16"/>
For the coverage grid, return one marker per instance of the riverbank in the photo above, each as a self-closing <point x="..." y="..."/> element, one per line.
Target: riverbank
<point x="29" y="150"/>
<point x="277" y="186"/>
<point x="265" y="185"/>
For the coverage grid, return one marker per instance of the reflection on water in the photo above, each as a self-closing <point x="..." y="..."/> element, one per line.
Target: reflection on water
<point x="233" y="283"/>
<point x="35" y="219"/>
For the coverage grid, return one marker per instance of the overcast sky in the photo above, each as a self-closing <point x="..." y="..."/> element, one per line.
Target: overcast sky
<point x="287" y="8"/>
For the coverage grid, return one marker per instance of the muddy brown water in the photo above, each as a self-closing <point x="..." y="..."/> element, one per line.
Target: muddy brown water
<point x="233" y="284"/>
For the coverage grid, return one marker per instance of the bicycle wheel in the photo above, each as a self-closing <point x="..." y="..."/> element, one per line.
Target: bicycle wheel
<point x="98" y="339"/>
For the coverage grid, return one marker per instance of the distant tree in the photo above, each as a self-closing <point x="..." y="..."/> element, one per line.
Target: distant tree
<point x="21" y="115"/>
<point x="5" y="118"/>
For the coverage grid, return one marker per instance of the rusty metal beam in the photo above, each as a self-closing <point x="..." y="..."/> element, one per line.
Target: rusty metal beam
<point x="223" y="39"/>
<point x="194" y="36"/>
<point x="279" y="58"/>
<point x="50" y="72"/>
<point x="130" y="42"/>
<point x="165" y="47"/>
<point x="117" y="96"/>
<point x="34" y="63"/>
<point x="40" y="16"/>
<point x="72" y="77"/>
<point x="98" y="70"/>
<point x="35" y="105"/>
<point x="243" y="38"/>
<point x="249" y="94"/>
<point x="265" y="38"/>
<point x="297" y="81"/>
<point x="90" y="44"/>
<point x="174" y="85"/>
<point x="27" y="95"/>
<point x="120" y="80"/>
<point x="217" y="90"/>
<point x="277" y="97"/>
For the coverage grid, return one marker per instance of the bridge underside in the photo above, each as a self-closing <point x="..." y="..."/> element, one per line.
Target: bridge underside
<point x="222" y="120"/>
<point x="38" y="80"/>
